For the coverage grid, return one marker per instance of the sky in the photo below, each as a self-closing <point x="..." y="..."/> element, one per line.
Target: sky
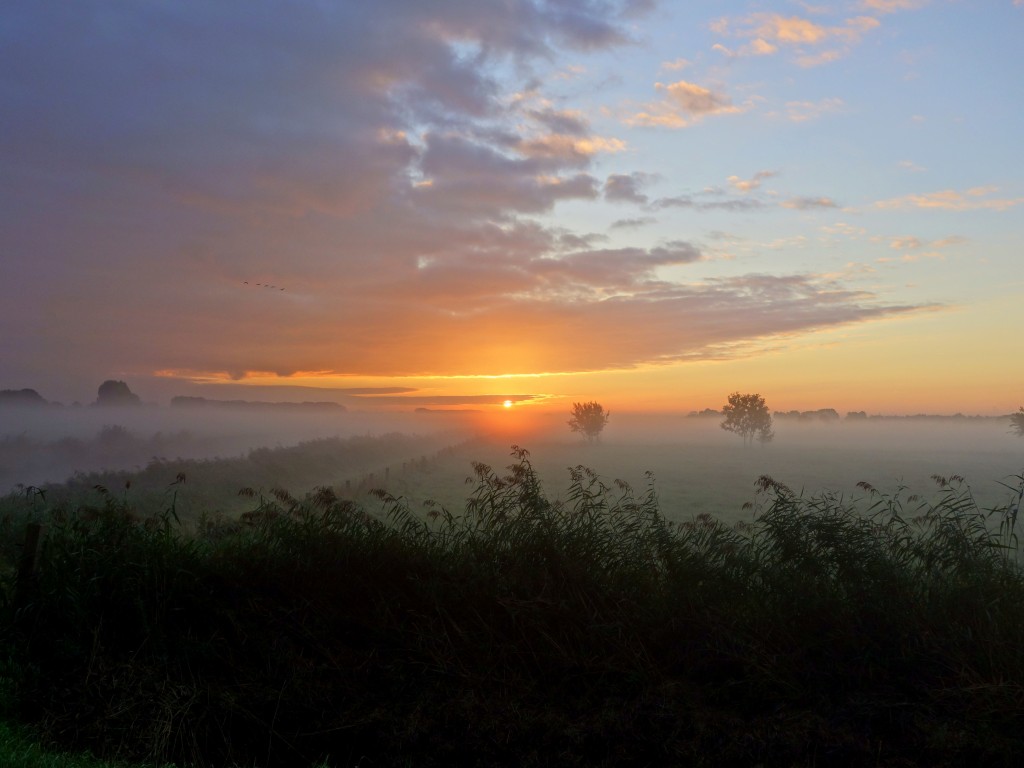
<point x="455" y="203"/>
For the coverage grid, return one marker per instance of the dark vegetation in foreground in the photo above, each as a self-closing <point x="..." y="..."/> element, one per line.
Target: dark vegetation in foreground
<point x="525" y="631"/>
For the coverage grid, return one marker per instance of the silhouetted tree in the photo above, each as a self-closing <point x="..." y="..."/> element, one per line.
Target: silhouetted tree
<point x="588" y="418"/>
<point x="21" y="397"/>
<point x="116" y="393"/>
<point x="1017" y="422"/>
<point x="748" y="417"/>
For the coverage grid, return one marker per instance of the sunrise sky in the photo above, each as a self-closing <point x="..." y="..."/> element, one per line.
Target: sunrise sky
<point x="459" y="202"/>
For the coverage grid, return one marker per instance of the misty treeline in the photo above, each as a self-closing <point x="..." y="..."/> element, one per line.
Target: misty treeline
<point x="213" y="483"/>
<point x="27" y="459"/>
<point x="520" y="628"/>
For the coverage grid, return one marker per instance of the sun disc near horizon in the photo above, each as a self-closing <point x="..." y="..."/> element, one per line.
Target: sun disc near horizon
<point x="507" y="403"/>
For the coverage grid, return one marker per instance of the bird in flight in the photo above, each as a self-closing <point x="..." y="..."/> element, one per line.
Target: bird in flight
<point x="264" y="285"/>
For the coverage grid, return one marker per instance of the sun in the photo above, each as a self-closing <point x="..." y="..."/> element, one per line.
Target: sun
<point x="507" y="403"/>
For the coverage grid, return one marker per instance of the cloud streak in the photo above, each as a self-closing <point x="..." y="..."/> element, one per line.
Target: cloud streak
<point x="973" y="199"/>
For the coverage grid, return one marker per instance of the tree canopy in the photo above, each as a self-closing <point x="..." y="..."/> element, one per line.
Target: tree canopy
<point x="747" y="415"/>
<point x="116" y="393"/>
<point x="589" y="419"/>
<point x="1017" y="422"/>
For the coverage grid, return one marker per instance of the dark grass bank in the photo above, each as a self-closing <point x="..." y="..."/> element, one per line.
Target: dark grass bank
<point x="521" y="631"/>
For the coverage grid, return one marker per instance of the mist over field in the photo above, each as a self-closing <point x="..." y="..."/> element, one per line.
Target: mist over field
<point x="512" y="382"/>
<point x="696" y="467"/>
<point x="48" y="445"/>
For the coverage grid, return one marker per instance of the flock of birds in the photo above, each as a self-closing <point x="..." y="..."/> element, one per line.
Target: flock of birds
<point x="261" y="285"/>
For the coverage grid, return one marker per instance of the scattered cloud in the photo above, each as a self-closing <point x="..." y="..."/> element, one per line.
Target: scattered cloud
<point x="891" y="6"/>
<point x="683" y="103"/>
<point x="570" y="122"/>
<point x="691" y="202"/>
<point x="909" y="165"/>
<point x="845" y="230"/>
<point x="813" y="44"/>
<point x="809" y="203"/>
<point x="626" y="188"/>
<point x="905" y="243"/>
<point x="802" y="111"/>
<point x="675" y="65"/>
<point x="914" y="244"/>
<point x="748" y="185"/>
<point x="915" y="249"/>
<point x="642" y="221"/>
<point x="976" y="198"/>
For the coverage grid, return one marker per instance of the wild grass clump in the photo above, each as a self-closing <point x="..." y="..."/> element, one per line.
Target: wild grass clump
<point x="526" y="630"/>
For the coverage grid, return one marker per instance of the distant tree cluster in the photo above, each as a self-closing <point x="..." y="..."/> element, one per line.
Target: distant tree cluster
<point x="748" y="416"/>
<point x="1017" y="422"/>
<point x="588" y="419"/>
<point x="822" y="414"/>
<point x="21" y="397"/>
<point x="706" y="413"/>
<point x="116" y="393"/>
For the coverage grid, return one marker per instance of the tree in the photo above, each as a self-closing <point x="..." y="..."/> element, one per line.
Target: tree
<point x="1017" y="422"/>
<point x="116" y="393"/>
<point x="588" y="418"/>
<point x="748" y="417"/>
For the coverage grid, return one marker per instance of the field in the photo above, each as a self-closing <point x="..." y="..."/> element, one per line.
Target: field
<point x="697" y="468"/>
<point x="542" y="615"/>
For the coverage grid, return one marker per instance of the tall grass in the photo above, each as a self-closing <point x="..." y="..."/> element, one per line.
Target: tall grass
<point x="527" y="630"/>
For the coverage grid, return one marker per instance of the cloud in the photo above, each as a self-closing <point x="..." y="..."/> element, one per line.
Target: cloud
<point x="384" y="162"/>
<point x="915" y="244"/>
<point x="891" y="6"/>
<point x="905" y="243"/>
<point x="801" y="111"/>
<point x="770" y="32"/>
<point x="976" y="198"/>
<point x="748" y="185"/>
<point x="643" y="221"/>
<point x="809" y="203"/>
<point x="625" y="188"/>
<point x="695" y="99"/>
<point x="683" y="103"/>
<point x="675" y="65"/>
<point x="513" y="334"/>
<point x="688" y="201"/>
<point x="569" y="122"/>
<point x="909" y="165"/>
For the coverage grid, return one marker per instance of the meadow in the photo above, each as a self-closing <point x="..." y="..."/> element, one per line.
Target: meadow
<point x="562" y="607"/>
<point x="697" y="468"/>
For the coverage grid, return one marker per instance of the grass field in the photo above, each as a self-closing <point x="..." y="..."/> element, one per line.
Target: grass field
<point x="543" y="616"/>
<point x="697" y="468"/>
